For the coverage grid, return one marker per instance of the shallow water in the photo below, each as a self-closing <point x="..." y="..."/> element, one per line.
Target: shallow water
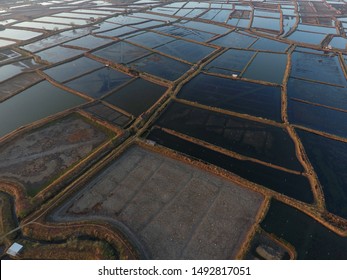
<point x="230" y="62"/>
<point x="23" y="109"/>
<point x="274" y="71"/>
<point x="311" y="239"/>
<point x="264" y="44"/>
<point x="204" y="27"/>
<point x="234" y="95"/>
<point x="161" y="66"/>
<point x="195" y="35"/>
<point x="246" y="137"/>
<point x="295" y="186"/>
<point x="8" y="54"/>
<point x="318" y="68"/>
<point x="339" y="43"/>
<point x="307" y="37"/>
<point x="318" y="29"/>
<point x="98" y="83"/>
<point x="117" y="32"/>
<point x="187" y="51"/>
<point x="317" y="117"/>
<point x="71" y="69"/>
<point x="10" y="70"/>
<point x="121" y="52"/>
<point x="150" y="39"/>
<point x="56" y="39"/>
<point x="234" y="40"/>
<point x="136" y="97"/>
<point x="4" y="43"/>
<point x="63" y="20"/>
<point x="16" y="34"/>
<point x="329" y="160"/>
<point x="42" y="25"/>
<point x="266" y="13"/>
<point x="266" y="23"/>
<point x="88" y="42"/>
<point x="317" y="93"/>
<point x="58" y="54"/>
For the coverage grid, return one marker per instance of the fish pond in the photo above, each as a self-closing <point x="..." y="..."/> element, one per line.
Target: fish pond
<point x="10" y="70"/>
<point x="321" y="68"/>
<point x="234" y="95"/>
<point x="23" y="109"/>
<point x="310" y="239"/>
<point x="329" y="159"/>
<point x="275" y="67"/>
<point x="96" y="84"/>
<point x="161" y="66"/>
<point x="136" y="97"/>
<point x="121" y="52"/>
<point x="292" y="185"/>
<point x="235" y="40"/>
<point x="246" y="137"/>
<point x="58" y="54"/>
<point x="230" y="62"/>
<point x="185" y="50"/>
<point x="72" y="69"/>
<point x="317" y="117"/>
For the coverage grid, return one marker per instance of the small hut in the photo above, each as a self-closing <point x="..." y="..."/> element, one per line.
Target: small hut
<point x="15" y="249"/>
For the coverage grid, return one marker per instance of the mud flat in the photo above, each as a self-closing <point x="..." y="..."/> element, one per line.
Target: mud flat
<point x="35" y="158"/>
<point x="174" y="210"/>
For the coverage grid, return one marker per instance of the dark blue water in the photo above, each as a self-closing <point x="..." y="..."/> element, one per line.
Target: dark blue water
<point x="311" y="239"/>
<point x="250" y="138"/>
<point x="295" y="186"/>
<point x="234" y="95"/>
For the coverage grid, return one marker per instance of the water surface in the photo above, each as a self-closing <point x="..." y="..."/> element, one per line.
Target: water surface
<point x="317" y="117"/>
<point x="318" y="68"/>
<point x="58" y="54"/>
<point x="307" y="37"/>
<point x="185" y="50"/>
<point x="16" y="34"/>
<point x="137" y="97"/>
<point x="274" y="71"/>
<point x="317" y="93"/>
<point x="10" y="70"/>
<point x="264" y="44"/>
<point x="89" y="42"/>
<point x="230" y="62"/>
<point x="234" y="40"/>
<point x="234" y="95"/>
<point x="72" y="69"/>
<point x="23" y="109"/>
<point x="246" y="137"/>
<point x="121" y="52"/>
<point x="161" y="66"/>
<point x="150" y="39"/>
<point x="195" y="35"/>
<point x="329" y="160"/>
<point x="311" y="239"/>
<point x="98" y="83"/>
<point x="292" y="185"/>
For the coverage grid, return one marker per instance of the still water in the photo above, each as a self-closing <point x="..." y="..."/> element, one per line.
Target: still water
<point x="35" y="103"/>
